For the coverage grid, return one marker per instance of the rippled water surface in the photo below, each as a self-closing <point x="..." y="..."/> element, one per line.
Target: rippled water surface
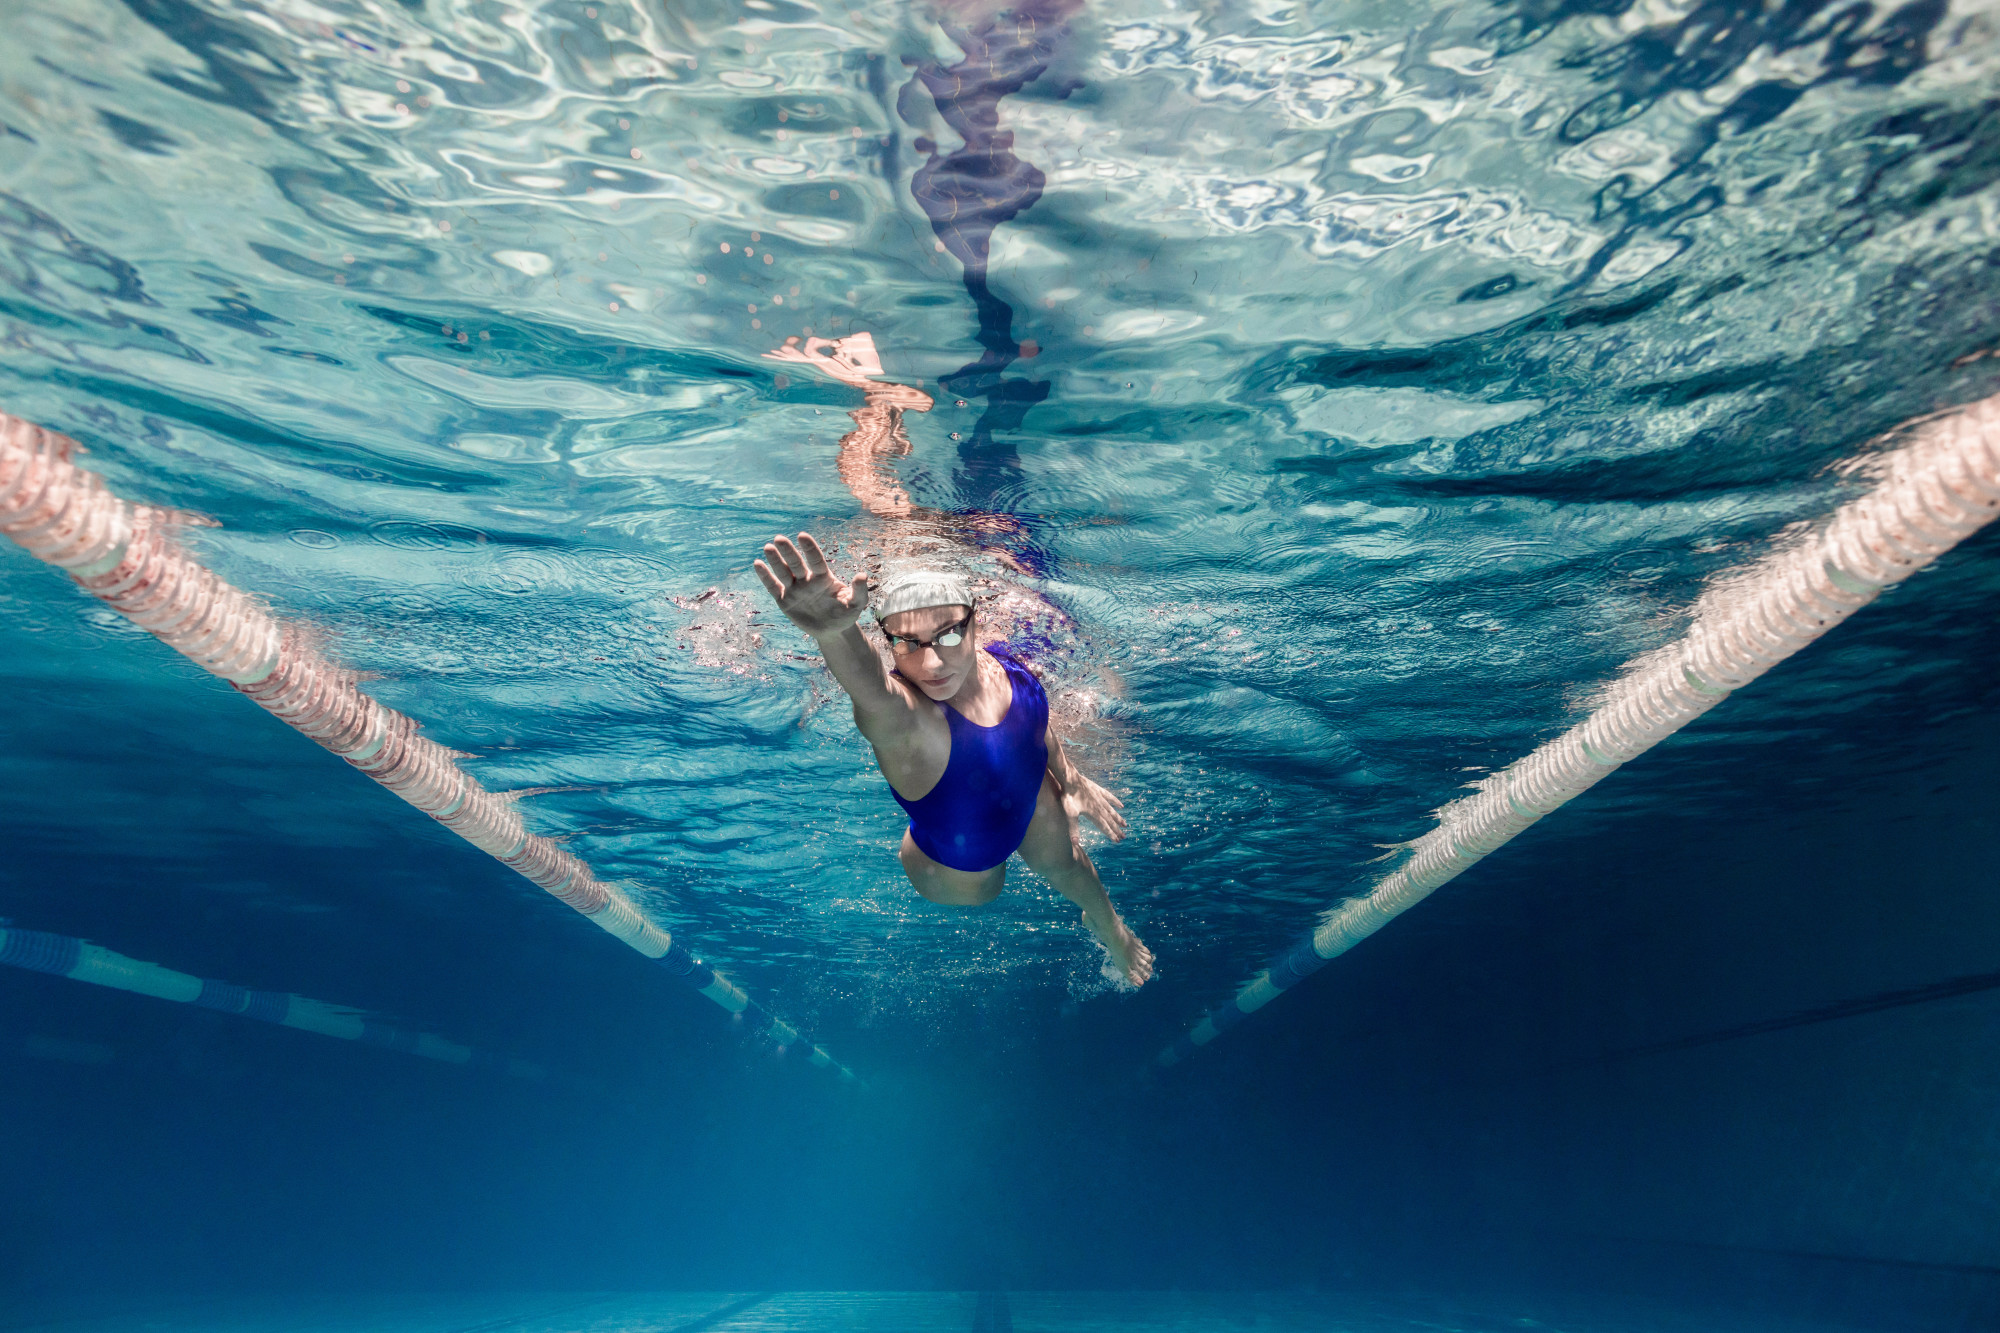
<point x="1337" y="393"/>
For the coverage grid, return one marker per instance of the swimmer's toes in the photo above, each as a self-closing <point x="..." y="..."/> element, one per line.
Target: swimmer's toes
<point x="1139" y="967"/>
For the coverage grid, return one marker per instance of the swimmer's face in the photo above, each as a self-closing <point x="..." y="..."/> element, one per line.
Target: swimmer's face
<point x="938" y="671"/>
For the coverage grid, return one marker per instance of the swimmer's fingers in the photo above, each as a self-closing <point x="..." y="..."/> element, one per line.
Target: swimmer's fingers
<point x="857" y="594"/>
<point x="782" y="548"/>
<point x="772" y="583"/>
<point x="1105" y="814"/>
<point x="816" y="565"/>
<point x="776" y="564"/>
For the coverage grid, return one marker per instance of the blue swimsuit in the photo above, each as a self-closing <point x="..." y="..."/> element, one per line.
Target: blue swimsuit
<point x="979" y="811"/>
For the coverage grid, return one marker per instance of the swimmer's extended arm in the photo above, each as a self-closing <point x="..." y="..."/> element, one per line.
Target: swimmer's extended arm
<point x="1080" y="795"/>
<point x="812" y="597"/>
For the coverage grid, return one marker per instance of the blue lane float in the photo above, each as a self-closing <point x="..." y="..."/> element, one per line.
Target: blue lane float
<point x="124" y="555"/>
<point x="79" y="960"/>
<point x="1936" y="490"/>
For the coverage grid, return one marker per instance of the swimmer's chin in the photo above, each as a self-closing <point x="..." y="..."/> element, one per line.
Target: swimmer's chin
<point x="939" y="690"/>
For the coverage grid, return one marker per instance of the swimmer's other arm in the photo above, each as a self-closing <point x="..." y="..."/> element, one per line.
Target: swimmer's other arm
<point x="1081" y="796"/>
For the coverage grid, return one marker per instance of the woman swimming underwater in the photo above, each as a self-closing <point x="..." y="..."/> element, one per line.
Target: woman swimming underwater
<point x="962" y="736"/>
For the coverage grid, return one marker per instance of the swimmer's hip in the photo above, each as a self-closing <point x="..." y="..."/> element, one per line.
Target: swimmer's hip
<point x="950" y="885"/>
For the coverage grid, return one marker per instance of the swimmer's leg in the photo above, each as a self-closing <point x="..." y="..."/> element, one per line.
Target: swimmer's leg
<point x="1052" y="851"/>
<point x="943" y="884"/>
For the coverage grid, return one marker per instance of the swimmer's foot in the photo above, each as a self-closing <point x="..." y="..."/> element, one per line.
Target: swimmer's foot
<point x="1127" y="949"/>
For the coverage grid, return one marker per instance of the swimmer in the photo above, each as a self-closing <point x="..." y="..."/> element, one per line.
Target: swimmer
<point x="962" y="735"/>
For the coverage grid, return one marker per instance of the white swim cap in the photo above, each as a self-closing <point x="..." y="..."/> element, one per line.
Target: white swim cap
<point x="915" y="589"/>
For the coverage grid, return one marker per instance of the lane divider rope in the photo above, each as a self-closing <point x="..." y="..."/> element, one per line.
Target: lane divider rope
<point x="65" y="956"/>
<point x="124" y="555"/>
<point x="1934" y="492"/>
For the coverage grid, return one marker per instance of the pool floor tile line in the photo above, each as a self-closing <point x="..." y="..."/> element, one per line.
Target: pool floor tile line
<point x="994" y="1313"/>
<point x="717" y="1317"/>
<point x="515" y="1321"/>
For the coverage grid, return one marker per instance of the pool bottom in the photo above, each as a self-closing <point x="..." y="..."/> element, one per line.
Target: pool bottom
<point x="897" y="1312"/>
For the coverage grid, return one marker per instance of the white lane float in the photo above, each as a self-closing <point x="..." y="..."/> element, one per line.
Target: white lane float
<point x="1934" y="492"/>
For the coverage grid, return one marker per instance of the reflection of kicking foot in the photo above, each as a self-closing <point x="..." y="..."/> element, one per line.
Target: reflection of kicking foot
<point x="1127" y="950"/>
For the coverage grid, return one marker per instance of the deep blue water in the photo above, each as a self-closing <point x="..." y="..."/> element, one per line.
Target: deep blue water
<point x="1332" y="396"/>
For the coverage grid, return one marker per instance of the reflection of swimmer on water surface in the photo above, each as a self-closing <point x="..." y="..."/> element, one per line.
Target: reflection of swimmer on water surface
<point x="969" y="191"/>
<point x="962" y="736"/>
<point x="878" y="432"/>
<point x="878" y="437"/>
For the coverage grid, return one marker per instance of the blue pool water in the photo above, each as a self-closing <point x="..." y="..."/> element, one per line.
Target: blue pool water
<point x="1331" y="398"/>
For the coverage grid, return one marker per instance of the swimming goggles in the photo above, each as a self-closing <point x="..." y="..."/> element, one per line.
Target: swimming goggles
<point x="949" y="637"/>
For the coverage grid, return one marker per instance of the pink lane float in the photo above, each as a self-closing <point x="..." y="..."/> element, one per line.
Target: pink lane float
<point x="124" y="555"/>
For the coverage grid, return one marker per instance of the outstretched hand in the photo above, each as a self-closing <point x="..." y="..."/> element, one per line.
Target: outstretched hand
<point x="808" y="591"/>
<point x="1097" y="805"/>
